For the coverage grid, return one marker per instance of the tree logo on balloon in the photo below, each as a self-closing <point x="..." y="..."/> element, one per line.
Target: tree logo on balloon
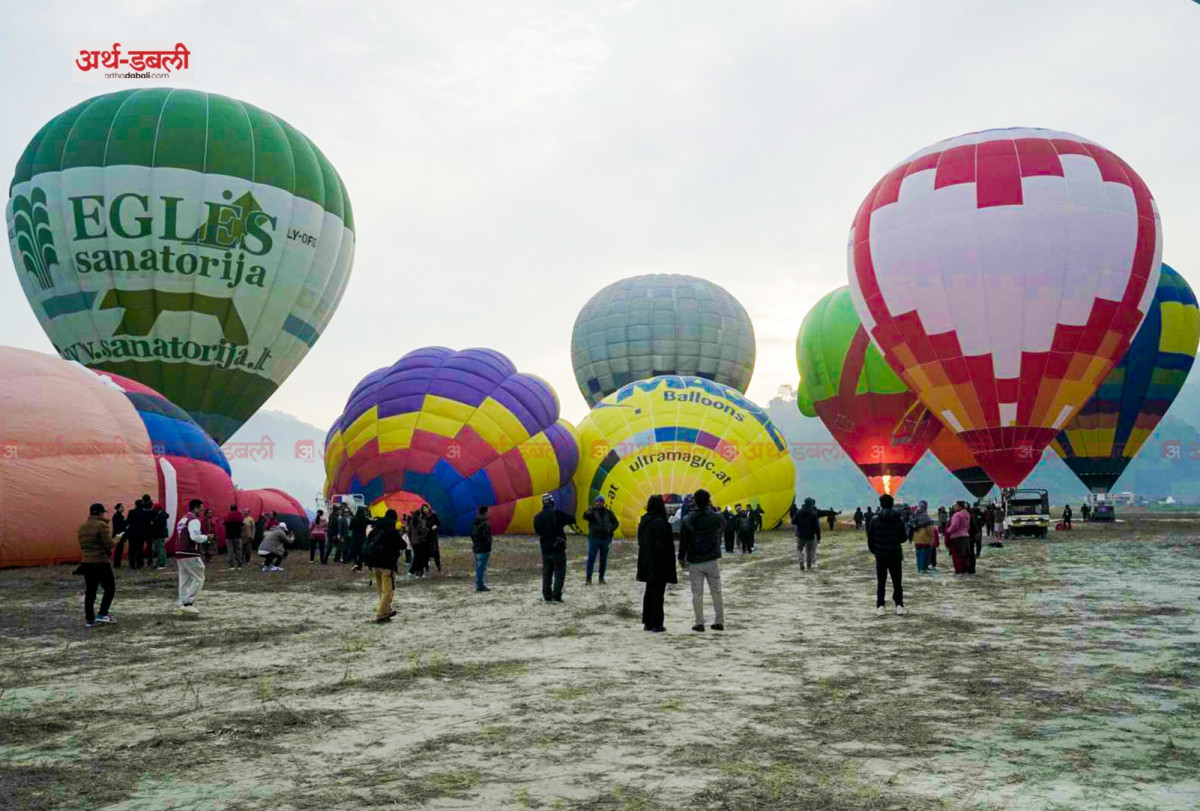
<point x="33" y="237"/>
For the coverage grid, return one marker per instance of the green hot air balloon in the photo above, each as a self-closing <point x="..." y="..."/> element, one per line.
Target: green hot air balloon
<point x="661" y="324"/>
<point x="189" y="241"/>
<point x="845" y="381"/>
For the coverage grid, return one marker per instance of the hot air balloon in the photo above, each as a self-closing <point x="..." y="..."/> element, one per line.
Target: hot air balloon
<point x="73" y="436"/>
<point x="68" y="440"/>
<point x="844" y="380"/>
<point x="661" y="324"/>
<point x="1110" y="429"/>
<point x="957" y="458"/>
<point x="1003" y="274"/>
<point x="271" y="499"/>
<point x="672" y="435"/>
<point x="186" y="240"/>
<point x="190" y="464"/>
<point x="456" y="430"/>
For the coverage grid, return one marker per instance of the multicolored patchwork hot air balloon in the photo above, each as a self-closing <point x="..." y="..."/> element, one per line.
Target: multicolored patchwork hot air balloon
<point x="1003" y="274"/>
<point x="190" y="464"/>
<point x="948" y="449"/>
<point x="661" y="324"/>
<point x="1110" y="429"/>
<point x="186" y="240"/>
<point x="456" y="430"/>
<point x="672" y="435"/>
<point x="844" y="380"/>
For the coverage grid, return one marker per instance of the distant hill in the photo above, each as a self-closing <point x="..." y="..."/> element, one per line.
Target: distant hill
<point x="274" y="449"/>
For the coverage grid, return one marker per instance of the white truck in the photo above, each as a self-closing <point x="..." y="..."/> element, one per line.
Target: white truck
<point x="1026" y="512"/>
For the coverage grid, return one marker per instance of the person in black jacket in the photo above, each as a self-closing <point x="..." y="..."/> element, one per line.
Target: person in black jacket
<point x="137" y="531"/>
<point x="700" y="549"/>
<point x="119" y="525"/>
<point x="549" y="525"/>
<point x="602" y="525"/>
<point x="885" y="535"/>
<point x="481" y="547"/>
<point x="655" y="563"/>
<point x="808" y="534"/>
<point x="359" y="524"/>
<point x="858" y="517"/>
<point x="433" y="550"/>
<point x="384" y="563"/>
<point x="731" y="528"/>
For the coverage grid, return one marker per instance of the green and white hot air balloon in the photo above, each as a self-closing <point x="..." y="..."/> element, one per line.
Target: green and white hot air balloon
<point x="190" y="241"/>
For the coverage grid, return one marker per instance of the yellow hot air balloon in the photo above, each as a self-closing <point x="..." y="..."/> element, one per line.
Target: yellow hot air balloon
<point x="672" y="435"/>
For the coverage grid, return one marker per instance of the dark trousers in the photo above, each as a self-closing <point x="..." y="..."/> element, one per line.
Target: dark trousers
<point x="554" y="570"/>
<point x="272" y="560"/>
<point x="889" y="565"/>
<point x="420" y="561"/>
<point x="597" y="548"/>
<point x="747" y="542"/>
<point x="729" y="539"/>
<point x="97" y="575"/>
<point x="435" y="554"/>
<point x="933" y="556"/>
<point x="652" y="605"/>
<point x="317" y="545"/>
<point x="118" y="552"/>
<point x="137" y="550"/>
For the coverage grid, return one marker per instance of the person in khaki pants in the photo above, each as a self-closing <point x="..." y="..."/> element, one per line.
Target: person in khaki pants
<point x="700" y="538"/>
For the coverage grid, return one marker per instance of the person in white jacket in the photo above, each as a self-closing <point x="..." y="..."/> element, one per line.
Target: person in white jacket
<point x="189" y="557"/>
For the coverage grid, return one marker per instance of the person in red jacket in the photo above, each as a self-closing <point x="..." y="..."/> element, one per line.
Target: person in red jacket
<point x="233" y="537"/>
<point x="958" y="537"/>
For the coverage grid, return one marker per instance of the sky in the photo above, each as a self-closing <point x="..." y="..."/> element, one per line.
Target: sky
<point x="506" y="160"/>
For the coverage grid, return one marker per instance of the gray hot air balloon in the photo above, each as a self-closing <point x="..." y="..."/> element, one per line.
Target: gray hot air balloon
<point x="661" y="324"/>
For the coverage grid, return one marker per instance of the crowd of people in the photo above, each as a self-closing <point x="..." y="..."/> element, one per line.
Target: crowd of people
<point x="695" y="537"/>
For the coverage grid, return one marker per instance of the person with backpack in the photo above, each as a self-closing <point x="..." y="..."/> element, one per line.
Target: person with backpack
<point x="189" y="560"/>
<point x="550" y="525"/>
<point x="886" y="535"/>
<point x="481" y="547"/>
<point x="381" y="553"/>
<point x="746" y="531"/>
<point x="808" y="534"/>
<point x="602" y="525"/>
<point x="96" y="549"/>
<point x="655" y="562"/>
<point x="924" y="535"/>
<point x="700" y="551"/>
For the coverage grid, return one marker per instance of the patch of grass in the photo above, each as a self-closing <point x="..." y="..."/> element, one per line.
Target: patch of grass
<point x="572" y="692"/>
<point x="438" y="668"/>
<point x="28" y="728"/>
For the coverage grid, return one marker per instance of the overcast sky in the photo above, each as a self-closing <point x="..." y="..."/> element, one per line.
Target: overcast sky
<point x="507" y="160"/>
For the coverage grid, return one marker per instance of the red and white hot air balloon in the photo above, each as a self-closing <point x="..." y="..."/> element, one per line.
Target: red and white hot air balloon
<point x="1003" y="273"/>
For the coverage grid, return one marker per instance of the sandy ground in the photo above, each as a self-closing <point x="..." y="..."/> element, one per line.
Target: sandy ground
<point x="1063" y="676"/>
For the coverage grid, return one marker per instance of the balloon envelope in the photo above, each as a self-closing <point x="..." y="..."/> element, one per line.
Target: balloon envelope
<point x="186" y="240"/>
<point x="271" y="499"/>
<point x="957" y="458"/>
<point x="456" y="430"/>
<point x="661" y="324"/>
<point x="1003" y="273"/>
<point x="1110" y="429"/>
<point x="672" y="435"/>
<point x="844" y="380"/>
<point x="67" y="440"/>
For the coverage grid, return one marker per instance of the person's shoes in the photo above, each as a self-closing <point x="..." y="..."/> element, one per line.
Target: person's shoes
<point x="277" y="568"/>
<point x="546" y="600"/>
<point x="385" y="618"/>
<point x="802" y="567"/>
<point x="900" y="612"/>
<point x="881" y="611"/>
<point x="108" y="619"/>
<point x="266" y="568"/>
<point x="187" y="609"/>
<point x="91" y="624"/>
<point x="658" y="630"/>
<point x="391" y="613"/>
<point x="698" y="628"/>
<point x="587" y="582"/>
<point x="602" y="581"/>
<point x="716" y="626"/>
<point x="557" y="600"/>
<point x="483" y="588"/>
